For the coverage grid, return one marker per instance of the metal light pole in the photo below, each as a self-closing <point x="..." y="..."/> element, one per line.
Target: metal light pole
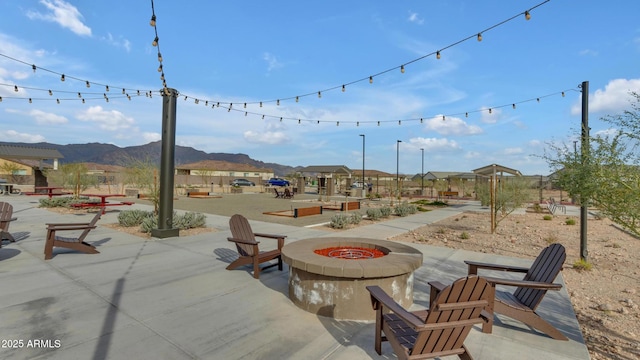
<point x="584" y="158"/>
<point x="363" y="188"/>
<point x="398" y="166"/>
<point x="422" y="175"/>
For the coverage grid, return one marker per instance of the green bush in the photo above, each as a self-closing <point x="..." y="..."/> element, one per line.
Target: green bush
<point x="355" y="218"/>
<point x="582" y="265"/>
<point x="62" y="201"/>
<point x="465" y="235"/>
<point x="149" y="224"/>
<point x="547" y="217"/>
<point x="189" y="220"/>
<point x="405" y="209"/>
<point x="133" y="217"/>
<point x="374" y="214"/>
<point x="385" y="211"/>
<point x="570" y="221"/>
<point x="339" y="221"/>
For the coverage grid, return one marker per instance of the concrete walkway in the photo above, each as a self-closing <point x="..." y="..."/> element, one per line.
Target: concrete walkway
<point x="173" y="299"/>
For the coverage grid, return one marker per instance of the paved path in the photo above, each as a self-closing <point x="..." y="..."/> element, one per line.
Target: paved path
<point x="173" y="299"/>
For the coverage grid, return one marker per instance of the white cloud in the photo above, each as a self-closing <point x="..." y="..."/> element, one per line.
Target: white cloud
<point x="588" y="52"/>
<point x="120" y="42"/>
<point x="490" y="116"/>
<point x="14" y="136"/>
<point x="107" y="120"/>
<point x="272" y="61"/>
<point x="151" y="137"/>
<point x="433" y="144"/>
<point x="415" y="18"/>
<point x="267" y="137"/>
<point x="451" y="126"/>
<point x="43" y="118"/>
<point x="63" y="13"/>
<point x="614" y="98"/>
<point x="513" y="151"/>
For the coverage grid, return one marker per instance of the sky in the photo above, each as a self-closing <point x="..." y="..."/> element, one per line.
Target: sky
<point x="455" y="113"/>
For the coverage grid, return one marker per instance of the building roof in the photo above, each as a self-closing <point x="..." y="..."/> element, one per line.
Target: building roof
<point x="218" y="165"/>
<point x="440" y="175"/>
<point x="495" y="168"/>
<point x="27" y="152"/>
<point x="327" y="169"/>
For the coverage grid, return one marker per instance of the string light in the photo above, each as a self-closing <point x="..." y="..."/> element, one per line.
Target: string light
<point x="344" y="88"/>
<point x="438" y="54"/>
<point x="88" y="84"/>
<point x="297" y="99"/>
<point x="152" y="22"/>
<point x="155" y="42"/>
<point x="107" y="87"/>
<point x="34" y="68"/>
<point x="489" y="110"/>
<point x="479" y="36"/>
<point x="402" y="69"/>
<point x="513" y="106"/>
<point x="370" y="79"/>
<point x="62" y="77"/>
<point x="15" y="88"/>
<point x="278" y="102"/>
<point x="527" y="15"/>
<point x="319" y="94"/>
<point x="50" y="93"/>
<point x="30" y="101"/>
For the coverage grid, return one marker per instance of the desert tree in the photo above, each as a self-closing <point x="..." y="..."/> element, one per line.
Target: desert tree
<point x="143" y="174"/>
<point x="511" y="193"/>
<point x="74" y="175"/>
<point x="607" y="174"/>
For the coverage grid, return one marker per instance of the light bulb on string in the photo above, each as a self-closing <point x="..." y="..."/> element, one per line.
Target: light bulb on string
<point x="83" y="100"/>
<point x="319" y="94"/>
<point x="88" y="84"/>
<point x="58" y="101"/>
<point x="527" y="15"/>
<point x="50" y="93"/>
<point x="245" y="113"/>
<point x="138" y="92"/>
<point x="538" y="99"/>
<point x="185" y="98"/>
<point x="155" y="42"/>
<point x="370" y="79"/>
<point x="159" y="57"/>
<point x="0" y="98"/>
<point x="479" y="36"/>
<point x="15" y="88"/>
<point x="438" y="55"/>
<point x="129" y="97"/>
<point x="245" y="105"/>
<point x="344" y="88"/>
<point x="79" y="96"/>
<point x="206" y="103"/>
<point x="489" y="110"/>
<point x="297" y="99"/>
<point x="337" y="123"/>
<point x="402" y="69"/>
<point x="421" y="120"/>
<point x="123" y="92"/>
<point x="106" y="99"/>
<point x="399" y="122"/>
<point x="262" y="117"/>
<point x="280" y="119"/>
<point x="513" y="106"/>
<point x="62" y="77"/>
<point x="30" y="101"/>
<point x="260" y="103"/>
<point x="278" y="102"/>
<point x="34" y="68"/>
<point x="318" y="122"/>
<point x="152" y="22"/>
<point x="563" y="94"/>
<point x="298" y="121"/>
<point x="107" y="87"/>
<point x="160" y="68"/>
<point x="378" y="123"/>
<point x="443" y="118"/>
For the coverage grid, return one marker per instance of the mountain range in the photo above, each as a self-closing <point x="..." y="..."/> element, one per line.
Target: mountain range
<point x="109" y="154"/>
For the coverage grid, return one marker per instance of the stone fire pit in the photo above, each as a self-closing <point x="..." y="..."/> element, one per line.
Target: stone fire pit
<point x="335" y="287"/>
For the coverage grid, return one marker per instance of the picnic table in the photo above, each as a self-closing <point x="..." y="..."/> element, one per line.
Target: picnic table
<point x="9" y="189"/>
<point x="103" y="201"/>
<point x="50" y="191"/>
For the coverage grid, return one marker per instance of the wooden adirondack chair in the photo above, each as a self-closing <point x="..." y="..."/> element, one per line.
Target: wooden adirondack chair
<point x="439" y="331"/>
<point x="250" y="254"/>
<point x="278" y="194"/>
<point x="521" y="304"/>
<point x="75" y="243"/>
<point x="6" y="217"/>
<point x="288" y="194"/>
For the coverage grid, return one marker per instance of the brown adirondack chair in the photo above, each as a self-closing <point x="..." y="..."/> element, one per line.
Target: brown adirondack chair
<point x="250" y="254"/>
<point x="75" y="243"/>
<point x="6" y="217"/>
<point x="288" y="194"/>
<point x="439" y="331"/>
<point x="521" y="304"/>
<point x="278" y="194"/>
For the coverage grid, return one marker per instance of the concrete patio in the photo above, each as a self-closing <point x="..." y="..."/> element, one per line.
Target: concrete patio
<point x="173" y="299"/>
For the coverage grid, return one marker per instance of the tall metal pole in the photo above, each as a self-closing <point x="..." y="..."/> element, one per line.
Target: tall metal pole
<point x="584" y="157"/>
<point x="165" y="210"/>
<point x="398" y="166"/>
<point x="363" y="187"/>
<point x="422" y="175"/>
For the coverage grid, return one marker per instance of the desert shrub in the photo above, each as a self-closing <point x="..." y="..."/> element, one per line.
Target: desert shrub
<point x="537" y="208"/>
<point x="189" y="220"/>
<point x="405" y="209"/>
<point x="582" y="265"/>
<point x="374" y="214"/>
<point x="339" y="221"/>
<point x="385" y="211"/>
<point x="355" y="218"/>
<point x="133" y="217"/>
<point x="465" y="235"/>
<point x="148" y="224"/>
<point x="551" y="238"/>
<point x="183" y="222"/>
<point x="62" y="201"/>
<point x="570" y="221"/>
<point x="547" y="217"/>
